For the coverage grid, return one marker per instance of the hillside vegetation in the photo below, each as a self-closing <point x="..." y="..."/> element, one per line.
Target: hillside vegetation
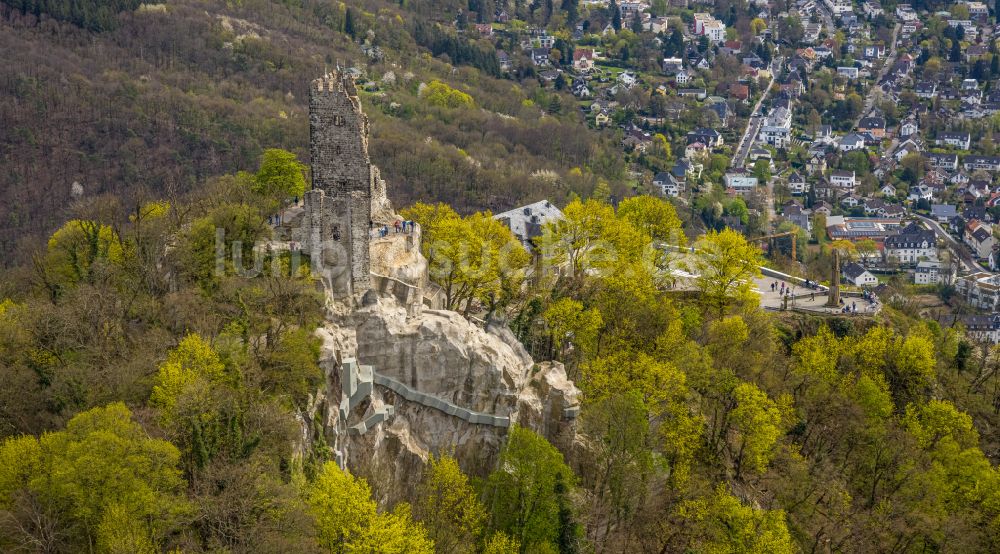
<point x="153" y="402"/>
<point x="155" y="99"/>
<point x="157" y="400"/>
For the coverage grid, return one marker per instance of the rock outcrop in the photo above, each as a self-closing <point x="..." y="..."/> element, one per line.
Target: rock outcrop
<point x="457" y="374"/>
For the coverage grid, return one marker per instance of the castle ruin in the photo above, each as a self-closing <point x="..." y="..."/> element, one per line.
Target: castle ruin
<point x="346" y="188"/>
<point x="405" y="380"/>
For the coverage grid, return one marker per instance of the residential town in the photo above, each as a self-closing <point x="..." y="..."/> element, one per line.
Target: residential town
<point x="843" y="122"/>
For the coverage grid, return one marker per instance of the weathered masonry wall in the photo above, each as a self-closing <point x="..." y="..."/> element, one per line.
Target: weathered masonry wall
<point x="357" y="382"/>
<point x="341" y="169"/>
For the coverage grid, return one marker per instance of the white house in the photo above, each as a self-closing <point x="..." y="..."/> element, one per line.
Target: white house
<point x="668" y="184"/>
<point x="921" y="192"/>
<point x="905" y="148"/>
<point x="943" y="212"/>
<point x="797" y="184"/>
<point x="979" y="237"/>
<point x="925" y="89"/>
<point x="700" y="19"/>
<point x="849" y="72"/>
<point x="985" y="163"/>
<point x="843" y="179"/>
<point x="527" y="222"/>
<point x="857" y="275"/>
<point x="840" y="7"/>
<point x="905" y="12"/>
<point x="981" y="290"/>
<point x="978" y="9"/>
<point x="715" y="31"/>
<point x="777" y="127"/>
<point x="911" y="245"/>
<point x="958" y="140"/>
<point x="851" y="142"/>
<point x="741" y="183"/>
<point x="930" y="273"/>
<point x="583" y="59"/>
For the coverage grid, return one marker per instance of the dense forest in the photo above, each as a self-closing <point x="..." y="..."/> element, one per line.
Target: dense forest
<point x="157" y="98"/>
<point x="153" y="401"/>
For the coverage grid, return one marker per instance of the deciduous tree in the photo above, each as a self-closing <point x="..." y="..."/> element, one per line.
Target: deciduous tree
<point x="448" y="507"/>
<point x="348" y="521"/>
<point x="281" y="175"/>
<point x="521" y="492"/>
<point x="725" y="264"/>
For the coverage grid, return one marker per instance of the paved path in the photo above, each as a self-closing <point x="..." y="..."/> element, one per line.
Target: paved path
<point x="755" y="122"/>
<point x="771" y="300"/>
<point x="876" y="87"/>
<point x="814" y="302"/>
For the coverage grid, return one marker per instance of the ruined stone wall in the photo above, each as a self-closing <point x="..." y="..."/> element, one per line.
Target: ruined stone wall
<point x="323" y="236"/>
<point x="338" y="140"/>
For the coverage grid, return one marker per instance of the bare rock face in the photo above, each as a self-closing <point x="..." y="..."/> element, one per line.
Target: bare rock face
<point x="447" y="364"/>
<point x="443" y="354"/>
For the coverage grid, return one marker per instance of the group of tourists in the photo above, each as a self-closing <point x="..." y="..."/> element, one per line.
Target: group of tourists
<point x="399" y="226"/>
<point x="781" y="288"/>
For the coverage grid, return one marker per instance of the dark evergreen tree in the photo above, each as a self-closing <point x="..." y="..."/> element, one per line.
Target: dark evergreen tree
<point x="350" y="28"/>
<point x="637" y="24"/>
<point x="979" y="70"/>
<point x="93" y="15"/>
<point x="677" y="41"/>
<point x="572" y="9"/>
<point x="569" y="530"/>
<point x="616" y="15"/>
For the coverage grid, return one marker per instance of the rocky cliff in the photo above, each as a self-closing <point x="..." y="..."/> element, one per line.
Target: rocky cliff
<point x="439" y="384"/>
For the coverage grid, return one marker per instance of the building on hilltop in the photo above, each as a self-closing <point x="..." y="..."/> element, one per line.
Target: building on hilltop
<point x="526" y="222"/>
<point x="348" y="196"/>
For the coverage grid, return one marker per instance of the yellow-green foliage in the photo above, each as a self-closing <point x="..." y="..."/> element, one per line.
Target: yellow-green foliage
<point x="655" y="216"/>
<point x="102" y="477"/>
<point x="449" y="508"/>
<point x="501" y="543"/>
<point x="567" y="319"/>
<point x="441" y="95"/>
<point x="185" y="380"/>
<point x="76" y="247"/>
<point x="280" y="175"/>
<point x="20" y="458"/>
<point x="348" y="521"/>
<point x="757" y="419"/>
<point x="151" y="210"/>
<point x="727" y="526"/>
<point x="7" y="305"/>
<point x="475" y="258"/>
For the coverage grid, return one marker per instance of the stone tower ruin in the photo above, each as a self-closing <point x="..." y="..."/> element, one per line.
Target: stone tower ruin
<point x="339" y="206"/>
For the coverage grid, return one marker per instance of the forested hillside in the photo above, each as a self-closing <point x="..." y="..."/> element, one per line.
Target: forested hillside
<point x="154" y="403"/>
<point x="153" y="98"/>
<point x="157" y="397"/>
